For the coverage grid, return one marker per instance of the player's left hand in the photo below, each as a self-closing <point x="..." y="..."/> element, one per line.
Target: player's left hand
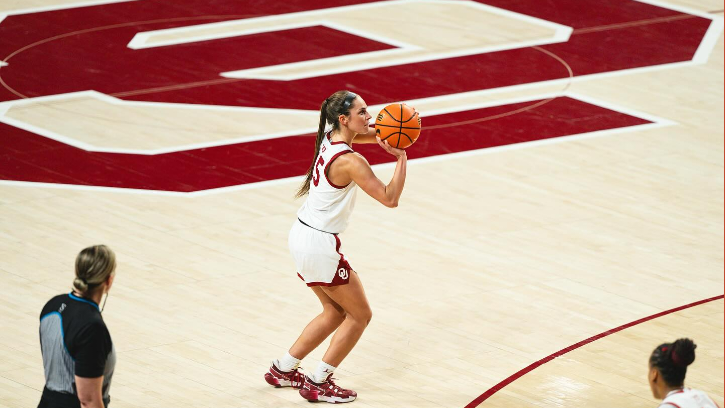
<point x="390" y="149"/>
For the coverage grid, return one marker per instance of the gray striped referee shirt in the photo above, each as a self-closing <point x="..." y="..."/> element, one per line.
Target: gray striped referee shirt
<point x="74" y="341"/>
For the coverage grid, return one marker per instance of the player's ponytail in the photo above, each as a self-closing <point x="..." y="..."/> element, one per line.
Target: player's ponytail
<point x="672" y="359"/>
<point x="337" y="104"/>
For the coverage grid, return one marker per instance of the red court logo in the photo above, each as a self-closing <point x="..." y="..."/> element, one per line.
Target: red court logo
<point x="59" y="66"/>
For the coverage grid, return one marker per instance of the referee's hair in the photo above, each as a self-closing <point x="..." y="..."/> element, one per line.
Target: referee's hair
<point x="672" y="359"/>
<point x="93" y="266"/>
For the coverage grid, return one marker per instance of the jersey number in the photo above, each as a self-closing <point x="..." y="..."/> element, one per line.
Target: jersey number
<point x="316" y="176"/>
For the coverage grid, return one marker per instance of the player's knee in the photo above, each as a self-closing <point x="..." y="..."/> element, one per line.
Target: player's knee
<point x="334" y="315"/>
<point x="365" y="316"/>
<point x="360" y="317"/>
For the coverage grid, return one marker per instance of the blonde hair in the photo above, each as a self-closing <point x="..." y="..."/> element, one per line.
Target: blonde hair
<point x="93" y="267"/>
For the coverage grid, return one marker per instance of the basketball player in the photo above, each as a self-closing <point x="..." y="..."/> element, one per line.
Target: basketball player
<point x="78" y="354"/>
<point x="331" y="185"/>
<point x="667" y="368"/>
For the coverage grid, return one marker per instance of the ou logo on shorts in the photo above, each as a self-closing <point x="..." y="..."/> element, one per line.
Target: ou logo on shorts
<point x="342" y="272"/>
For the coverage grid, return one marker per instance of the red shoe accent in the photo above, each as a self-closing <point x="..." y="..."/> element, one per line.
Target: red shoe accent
<point x="327" y="392"/>
<point x="278" y="378"/>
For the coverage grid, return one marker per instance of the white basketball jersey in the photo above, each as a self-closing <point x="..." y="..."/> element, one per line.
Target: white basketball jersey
<point x="328" y="207"/>
<point x="687" y="398"/>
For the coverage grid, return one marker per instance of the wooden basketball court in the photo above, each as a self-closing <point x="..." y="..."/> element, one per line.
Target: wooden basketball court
<point x="562" y="214"/>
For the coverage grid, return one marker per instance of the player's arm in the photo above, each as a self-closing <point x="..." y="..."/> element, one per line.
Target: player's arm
<point x="368" y="137"/>
<point x="89" y="391"/>
<point x="361" y="173"/>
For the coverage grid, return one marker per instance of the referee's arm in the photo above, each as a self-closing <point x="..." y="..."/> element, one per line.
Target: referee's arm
<point x="93" y="348"/>
<point x="89" y="391"/>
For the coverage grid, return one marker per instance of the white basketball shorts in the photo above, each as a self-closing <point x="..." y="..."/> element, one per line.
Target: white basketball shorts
<point x="318" y="257"/>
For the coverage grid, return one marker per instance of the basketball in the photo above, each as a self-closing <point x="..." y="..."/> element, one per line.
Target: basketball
<point x="399" y="124"/>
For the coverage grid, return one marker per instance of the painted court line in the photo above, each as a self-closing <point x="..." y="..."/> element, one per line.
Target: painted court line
<point x="491" y="391"/>
<point x="101" y="97"/>
<point x="326" y="17"/>
<point x="40" y="9"/>
<point x="674" y="7"/>
<point x="313" y="17"/>
<point x="656" y="122"/>
<point x="5" y="106"/>
<point x="298" y="179"/>
<point x="272" y="22"/>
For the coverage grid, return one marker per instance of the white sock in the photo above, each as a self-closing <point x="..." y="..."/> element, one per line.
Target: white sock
<point x="288" y="363"/>
<point x="323" y="372"/>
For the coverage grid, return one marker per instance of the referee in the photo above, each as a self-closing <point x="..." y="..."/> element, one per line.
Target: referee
<point x="78" y="355"/>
